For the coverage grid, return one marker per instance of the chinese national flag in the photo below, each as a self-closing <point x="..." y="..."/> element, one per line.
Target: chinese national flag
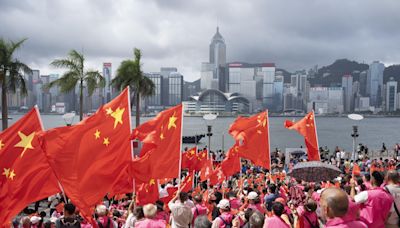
<point x="252" y="134"/>
<point x="92" y="157"/>
<point x="163" y="136"/>
<point x="189" y="159"/>
<point x="206" y="170"/>
<point x="171" y="194"/>
<point x="231" y="164"/>
<point x="187" y="183"/>
<point x="26" y="175"/>
<point x="202" y="158"/>
<point x="217" y="176"/>
<point x="147" y="192"/>
<point x="307" y="128"/>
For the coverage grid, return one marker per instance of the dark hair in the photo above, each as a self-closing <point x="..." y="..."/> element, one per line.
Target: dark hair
<point x="278" y="208"/>
<point x="310" y="205"/>
<point x="198" y="198"/>
<point x="272" y="188"/>
<point x="202" y="222"/>
<point x="393" y="176"/>
<point x="248" y="213"/>
<point x="378" y="177"/>
<point x="160" y="205"/>
<point x="70" y="208"/>
<point x="183" y="196"/>
<point x="138" y="212"/>
<point x="367" y="177"/>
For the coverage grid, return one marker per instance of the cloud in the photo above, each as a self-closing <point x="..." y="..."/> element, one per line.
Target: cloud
<point x="293" y="34"/>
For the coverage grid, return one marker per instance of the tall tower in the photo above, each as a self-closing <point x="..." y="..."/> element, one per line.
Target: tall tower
<point x="218" y="60"/>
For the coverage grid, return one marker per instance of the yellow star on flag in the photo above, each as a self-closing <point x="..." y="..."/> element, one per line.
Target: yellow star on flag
<point x="12" y="175"/>
<point x="6" y="172"/>
<point x="171" y="122"/>
<point x="26" y="141"/>
<point x="109" y="111"/>
<point x="97" y="134"/>
<point x="162" y="134"/>
<point x="117" y="115"/>
<point x="106" y="141"/>
<point x="152" y="182"/>
<point x="1" y="144"/>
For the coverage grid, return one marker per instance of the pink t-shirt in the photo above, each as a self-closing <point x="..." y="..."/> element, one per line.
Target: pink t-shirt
<point x="275" y="221"/>
<point x="150" y="223"/>
<point x="312" y="216"/>
<point x="198" y="210"/>
<point x="341" y="223"/>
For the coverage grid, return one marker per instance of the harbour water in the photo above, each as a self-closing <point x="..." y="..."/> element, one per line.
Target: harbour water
<point x="332" y="131"/>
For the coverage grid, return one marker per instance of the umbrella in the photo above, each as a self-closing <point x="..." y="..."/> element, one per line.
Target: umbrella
<point x="297" y="152"/>
<point x="314" y="171"/>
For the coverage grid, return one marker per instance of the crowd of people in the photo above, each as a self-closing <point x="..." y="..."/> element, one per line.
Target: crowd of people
<point x="366" y="197"/>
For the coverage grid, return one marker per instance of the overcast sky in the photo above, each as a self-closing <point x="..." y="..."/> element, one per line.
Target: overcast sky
<point x="291" y="33"/>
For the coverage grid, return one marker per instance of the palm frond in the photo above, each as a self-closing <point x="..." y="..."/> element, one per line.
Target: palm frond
<point x="15" y="78"/>
<point x="94" y="80"/>
<point x="65" y="63"/>
<point x="15" y="45"/>
<point x="66" y="83"/>
<point x="147" y="87"/>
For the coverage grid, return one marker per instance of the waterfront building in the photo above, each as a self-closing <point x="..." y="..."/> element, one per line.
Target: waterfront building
<point x="375" y="83"/>
<point x="347" y="85"/>
<point x="215" y="101"/>
<point x="391" y="95"/>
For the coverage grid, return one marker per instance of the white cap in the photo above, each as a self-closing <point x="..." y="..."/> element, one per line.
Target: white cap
<point x="252" y="195"/>
<point x="224" y="204"/>
<point x="35" y="219"/>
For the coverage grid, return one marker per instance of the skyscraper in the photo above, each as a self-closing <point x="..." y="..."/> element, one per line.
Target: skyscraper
<point x="375" y="83"/>
<point x="214" y="73"/>
<point x="347" y="85"/>
<point x="107" y="75"/>
<point x="391" y="95"/>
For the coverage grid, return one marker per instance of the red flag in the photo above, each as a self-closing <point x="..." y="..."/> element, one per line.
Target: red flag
<point x="202" y="158"/>
<point x="171" y="194"/>
<point x="92" y="158"/>
<point x="206" y="170"/>
<point x="252" y="133"/>
<point x="26" y="175"/>
<point x="163" y="135"/>
<point x="187" y="183"/>
<point x="231" y="164"/>
<point x="217" y="176"/>
<point x="189" y="159"/>
<point x="147" y="192"/>
<point x="308" y="129"/>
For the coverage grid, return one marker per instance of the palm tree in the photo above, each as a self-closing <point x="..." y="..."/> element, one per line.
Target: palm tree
<point x="129" y="73"/>
<point x="77" y="75"/>
<point x="10" y="74"/>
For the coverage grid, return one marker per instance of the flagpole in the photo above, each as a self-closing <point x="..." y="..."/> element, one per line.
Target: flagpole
<point x="42" y="128"/>
<point x="316" y="134"/>
<point x="180" y="151"/>
<point x="269" y="143"/>
<point x="130" y="133"/>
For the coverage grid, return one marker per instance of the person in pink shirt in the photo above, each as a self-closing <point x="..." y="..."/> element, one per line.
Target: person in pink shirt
<point x="233" y="201"/>
<point x="149" y="211"/>
<point x="334" y="204"/>
<point x="161" y="213"/>
<point x="254" y="202"/>
<point x="199" y="207"/>
<point x="226" y="218"/>
<point x="307" y="216"/>
<point x="276" y="220"/>
<point x="375" y="203"/>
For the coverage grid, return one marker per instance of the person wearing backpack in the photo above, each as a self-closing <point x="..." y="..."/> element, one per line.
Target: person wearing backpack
<point x="393" y="180"/>
<point x="199" y="208"/>
<point x="69" y="220"/>
<point x="225" y="219"/>
<point x="103" y="220"/>
<point x="307" y="216"/>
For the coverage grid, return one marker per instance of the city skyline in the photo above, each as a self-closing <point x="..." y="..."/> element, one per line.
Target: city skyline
<point x="294" y="35"/>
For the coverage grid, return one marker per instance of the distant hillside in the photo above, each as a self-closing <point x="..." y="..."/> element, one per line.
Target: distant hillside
<point x="332" y="74"/>
<point x="392" y="71"/>
<point x="286" y="75"/>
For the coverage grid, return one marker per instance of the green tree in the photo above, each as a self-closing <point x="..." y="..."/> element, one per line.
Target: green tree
<point x="11" y="77"/>
<point x="130" y="74"/>
<point x="77" y="75"/>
